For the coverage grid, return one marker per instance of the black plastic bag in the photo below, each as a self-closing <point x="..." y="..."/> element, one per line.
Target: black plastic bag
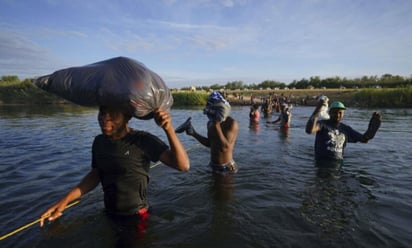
<point x="121" y="82"/>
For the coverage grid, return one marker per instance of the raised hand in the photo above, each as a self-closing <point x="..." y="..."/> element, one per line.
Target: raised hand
<point x="374" y="124"/>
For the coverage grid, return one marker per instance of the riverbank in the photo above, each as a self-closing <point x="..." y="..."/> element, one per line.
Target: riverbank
<point x="295" y="96"/>
<point x="395" y="98"/>
<point x="25" y="93"/>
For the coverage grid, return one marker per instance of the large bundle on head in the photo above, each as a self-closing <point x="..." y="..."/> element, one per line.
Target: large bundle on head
<point x="120" y="82"/>
<point x="217" y="107"/>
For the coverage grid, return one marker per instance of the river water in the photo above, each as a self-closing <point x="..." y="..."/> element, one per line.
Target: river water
<point x="277" y="199"/>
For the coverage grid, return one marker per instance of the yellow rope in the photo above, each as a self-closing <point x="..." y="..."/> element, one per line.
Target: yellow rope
<point x="31" y="223"/>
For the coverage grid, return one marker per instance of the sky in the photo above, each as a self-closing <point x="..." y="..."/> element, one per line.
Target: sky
<point x="205" y="42"/>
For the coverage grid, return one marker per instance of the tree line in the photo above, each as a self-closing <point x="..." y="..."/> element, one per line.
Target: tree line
<point x="385" y="81"/>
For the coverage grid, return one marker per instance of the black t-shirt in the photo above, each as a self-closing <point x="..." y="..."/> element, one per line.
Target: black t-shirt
<point x="123" y="167"/>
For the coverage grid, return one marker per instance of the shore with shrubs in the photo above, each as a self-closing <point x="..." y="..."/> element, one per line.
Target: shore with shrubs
<point x="24" y="92"/>
<point x="382" y="97"/>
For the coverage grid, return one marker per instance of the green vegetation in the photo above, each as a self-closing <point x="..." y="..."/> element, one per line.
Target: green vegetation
<point x="190" y="98"/>
<point x="370" y="97"/>
<point x="14" y="91"/>
<point x="391" y="98"/>
<point x="385" y="81"/>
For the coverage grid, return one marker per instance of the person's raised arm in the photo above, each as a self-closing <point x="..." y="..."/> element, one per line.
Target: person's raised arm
<point x="226" y="140"/>
<point x="176" y="157"/>
<point x="88" y="183"/>
<point x="275" y="121"/>
<point x="374" y="124"/>
<point x="312" y="124"/>
<point x="202" y="139"/>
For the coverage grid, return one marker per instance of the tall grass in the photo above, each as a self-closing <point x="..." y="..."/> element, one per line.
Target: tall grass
<point x="396" y="98"/>
<point x="25" y="92"/>
<point x="189" y="98"/>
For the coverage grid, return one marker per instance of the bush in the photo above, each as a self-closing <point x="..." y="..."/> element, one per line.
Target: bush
<point x="390" y="98"/>
<point x="189" y="98"/>
<point x="25" y="92"/>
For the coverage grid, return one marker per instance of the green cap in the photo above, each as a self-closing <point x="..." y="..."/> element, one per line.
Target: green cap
<point x="337" y="105"/>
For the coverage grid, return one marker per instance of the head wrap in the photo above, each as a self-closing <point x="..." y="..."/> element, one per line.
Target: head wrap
<point x="217" y="107"/>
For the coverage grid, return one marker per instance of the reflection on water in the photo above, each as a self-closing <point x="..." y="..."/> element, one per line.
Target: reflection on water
<point x="284" y="133"/>
<point x="32" y="111"/>
<point x="254" y="126"/>
<point x="222" y="188"/>
<point x="279" y="197"/>
<point x="330" y="202"/>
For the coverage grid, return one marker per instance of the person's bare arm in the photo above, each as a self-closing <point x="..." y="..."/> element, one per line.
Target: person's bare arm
<point x="227" y="140"/>
<point x="275" y="121"/>
<point x="202" y="140"/>
<point x="88" y="183"/>
<point x="176" y="157"/>
<point x="374" y="124"/>
<point x="312" y="124"/>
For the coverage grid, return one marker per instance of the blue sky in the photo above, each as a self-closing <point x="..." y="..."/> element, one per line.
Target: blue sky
<point x="204" y="42"/>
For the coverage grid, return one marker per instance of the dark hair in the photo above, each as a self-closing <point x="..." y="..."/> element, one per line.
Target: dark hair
<point x="127" y="115"/>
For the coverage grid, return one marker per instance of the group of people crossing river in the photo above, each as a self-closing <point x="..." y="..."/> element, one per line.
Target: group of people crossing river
<point x="121" y="156"/>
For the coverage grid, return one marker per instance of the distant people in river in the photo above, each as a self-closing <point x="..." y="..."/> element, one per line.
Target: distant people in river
<point x="275" y="103"/>
<point x="284" y="117"/>
<point x="252" y="99"/>
<point x="332" y="135"/>
<point x="222" y="131"/>
<point x="266" y="107"/>
<point x="254" y="117"/>
<point x="254" y="114"/>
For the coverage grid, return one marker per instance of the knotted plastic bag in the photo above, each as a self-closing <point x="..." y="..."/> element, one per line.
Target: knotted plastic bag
<point x="323" y="113"/>
<point x="120" y="82"/>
